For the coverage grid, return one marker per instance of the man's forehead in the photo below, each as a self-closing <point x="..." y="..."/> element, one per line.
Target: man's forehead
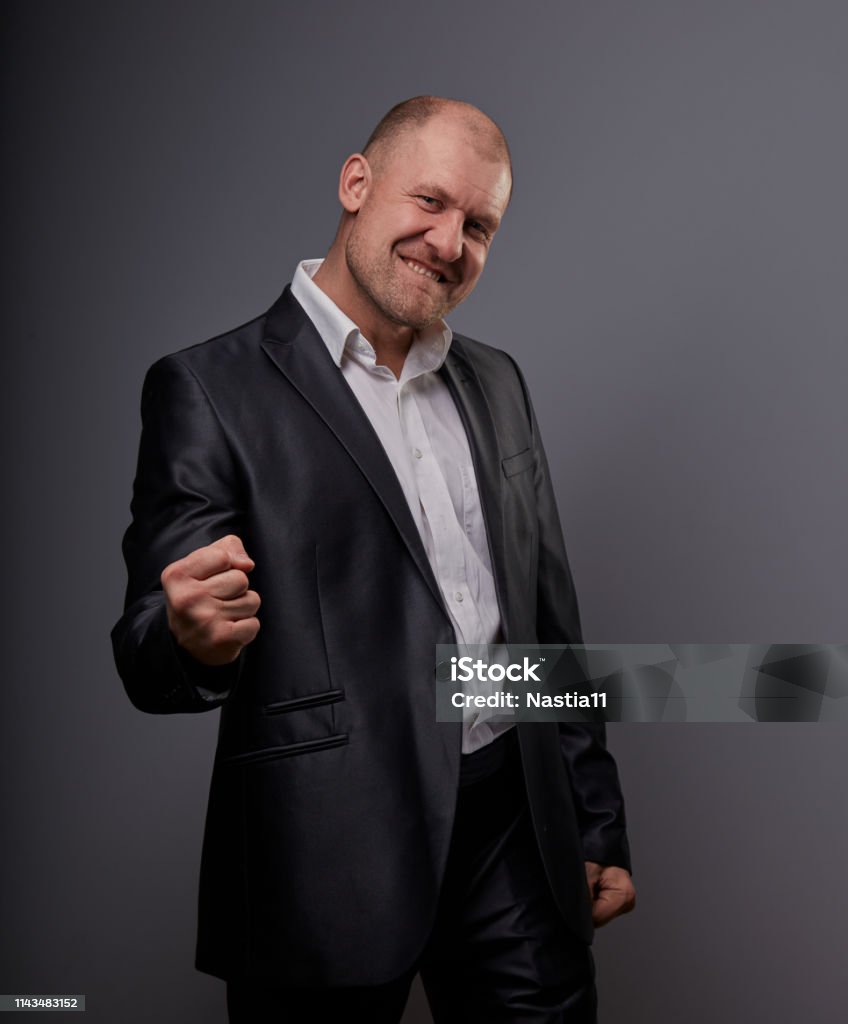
<point x="451" y="160"/>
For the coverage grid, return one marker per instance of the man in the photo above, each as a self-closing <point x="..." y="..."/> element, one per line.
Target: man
<point x="380" y="485"/>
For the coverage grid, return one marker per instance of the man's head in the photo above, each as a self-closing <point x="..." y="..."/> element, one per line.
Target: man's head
<point x="422" y="203"/>
<point x="413" y="114"/>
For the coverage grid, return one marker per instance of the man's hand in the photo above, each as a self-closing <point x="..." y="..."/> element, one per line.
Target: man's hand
<point x="211" y="611"/>
<point x="611" y="890"/>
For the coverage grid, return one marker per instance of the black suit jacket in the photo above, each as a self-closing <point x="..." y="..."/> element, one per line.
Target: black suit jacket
<point x="334" y="786"/>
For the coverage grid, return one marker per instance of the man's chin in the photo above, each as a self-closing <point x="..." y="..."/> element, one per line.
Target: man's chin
<point x="416" y="320"/>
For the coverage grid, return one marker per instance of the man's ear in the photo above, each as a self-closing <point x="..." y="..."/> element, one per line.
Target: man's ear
<point x="354" y="182"/>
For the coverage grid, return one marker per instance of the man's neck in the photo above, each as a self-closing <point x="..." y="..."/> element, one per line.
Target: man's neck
<point x="391" y="342"/>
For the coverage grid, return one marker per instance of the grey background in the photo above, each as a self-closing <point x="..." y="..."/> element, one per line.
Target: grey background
<point x="672" y="277"/>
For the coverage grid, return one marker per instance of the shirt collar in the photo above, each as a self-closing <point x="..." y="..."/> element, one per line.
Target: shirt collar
<point x="340" y="334"/>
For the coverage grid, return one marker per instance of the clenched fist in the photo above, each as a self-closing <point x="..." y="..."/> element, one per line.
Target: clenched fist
<point x="211" y="611"/>
<point x="612" y="892"/>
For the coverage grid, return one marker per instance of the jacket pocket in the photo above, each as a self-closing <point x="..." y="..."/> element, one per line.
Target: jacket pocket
<point x="518" y="463"/>
<point x="309" y="700"/>
<point x="289" y="750"/>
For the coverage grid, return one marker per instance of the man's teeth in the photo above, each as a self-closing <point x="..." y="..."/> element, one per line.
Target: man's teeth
<point x="422" y="270"/>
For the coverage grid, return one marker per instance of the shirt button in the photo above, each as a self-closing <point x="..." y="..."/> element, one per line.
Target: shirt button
<point x="417" y="453"/>
<point x="458" y="595"/>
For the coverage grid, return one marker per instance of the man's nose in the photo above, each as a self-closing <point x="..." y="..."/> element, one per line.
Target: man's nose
<point x="446" y="235"/>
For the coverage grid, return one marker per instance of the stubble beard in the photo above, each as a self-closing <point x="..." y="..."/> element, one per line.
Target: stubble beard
<point x="381" y="283"/>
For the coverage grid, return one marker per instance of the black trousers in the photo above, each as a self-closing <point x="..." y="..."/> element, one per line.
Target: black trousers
<point x="499" y="952"/>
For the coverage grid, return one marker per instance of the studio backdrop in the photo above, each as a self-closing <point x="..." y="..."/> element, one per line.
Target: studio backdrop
<point x="671" y="276"/>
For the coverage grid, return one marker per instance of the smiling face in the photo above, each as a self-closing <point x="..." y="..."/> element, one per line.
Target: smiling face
<point x="424" y="215"/>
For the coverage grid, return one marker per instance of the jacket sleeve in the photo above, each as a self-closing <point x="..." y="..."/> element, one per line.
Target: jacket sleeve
<point x="591" y="767"/>
<point x="185" y="496"/>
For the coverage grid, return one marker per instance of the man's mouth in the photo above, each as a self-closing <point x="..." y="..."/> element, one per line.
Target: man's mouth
<point x="422" y="271"/>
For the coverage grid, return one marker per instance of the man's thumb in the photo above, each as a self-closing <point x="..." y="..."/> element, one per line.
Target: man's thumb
<point x="239" y="558"/>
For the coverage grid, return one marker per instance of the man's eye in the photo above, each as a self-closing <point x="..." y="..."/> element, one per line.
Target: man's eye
<point x="429" y="200"/>
<point x="478" y="229"/>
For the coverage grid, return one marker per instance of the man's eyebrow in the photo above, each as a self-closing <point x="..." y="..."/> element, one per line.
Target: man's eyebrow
<point x="437" y="192"/>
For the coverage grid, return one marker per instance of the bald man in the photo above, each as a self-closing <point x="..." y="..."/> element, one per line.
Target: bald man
<point x="323" y="496"/>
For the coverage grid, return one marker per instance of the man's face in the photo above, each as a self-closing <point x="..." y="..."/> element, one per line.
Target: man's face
<point x="420" y="239"/>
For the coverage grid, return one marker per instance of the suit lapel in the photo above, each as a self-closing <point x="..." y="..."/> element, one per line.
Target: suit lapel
<point x="464" y="385"/>
<point x="296" y="349"/>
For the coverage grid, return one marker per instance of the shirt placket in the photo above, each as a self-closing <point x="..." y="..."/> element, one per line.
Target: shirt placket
<point x="448" y="555"/>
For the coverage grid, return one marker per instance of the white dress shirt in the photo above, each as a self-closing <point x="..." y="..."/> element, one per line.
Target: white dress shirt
<point x="419" y="427"/>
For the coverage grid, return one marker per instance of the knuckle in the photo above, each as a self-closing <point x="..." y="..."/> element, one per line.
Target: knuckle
<point x="205" y="616"/>
<point x="191" y="598"/>
<point x="249" y="631"/>
<point x="170" y="574"/>
<point x="227" y="542"/>
<point x="179" y="600"/>
<point x="220" y="634"/>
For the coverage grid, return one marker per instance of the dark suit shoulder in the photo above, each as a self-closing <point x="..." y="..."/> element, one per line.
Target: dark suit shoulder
<point x="234" y="350"/>
<point x="219" y="352"/>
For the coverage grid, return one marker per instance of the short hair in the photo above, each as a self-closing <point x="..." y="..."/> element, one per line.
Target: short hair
<point x="414" y="113"/>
